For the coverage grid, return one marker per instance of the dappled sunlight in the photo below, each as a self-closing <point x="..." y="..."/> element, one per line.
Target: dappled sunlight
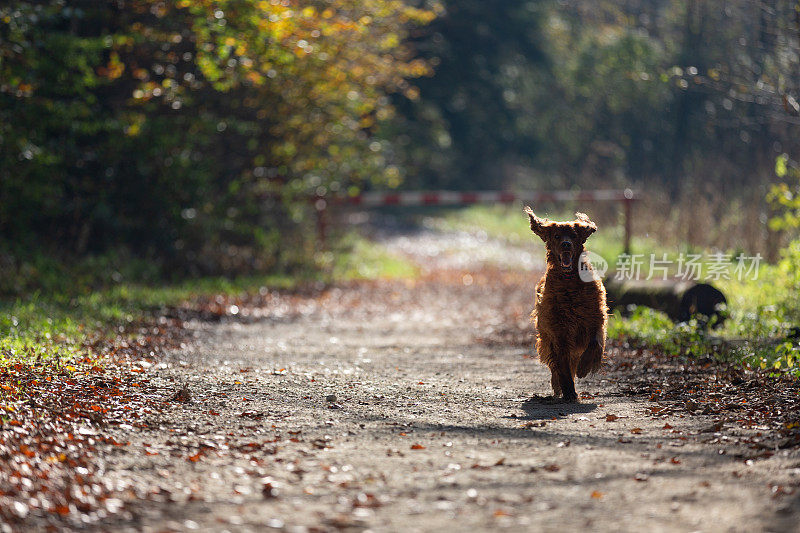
<point x="268" y="264"/>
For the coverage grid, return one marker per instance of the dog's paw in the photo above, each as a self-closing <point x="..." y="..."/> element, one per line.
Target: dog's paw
<point x="570" y="398"/>
<point x="544" y="400"/>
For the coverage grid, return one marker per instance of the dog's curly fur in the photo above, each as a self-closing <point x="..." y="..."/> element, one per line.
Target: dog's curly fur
<point x="570" y="314"/>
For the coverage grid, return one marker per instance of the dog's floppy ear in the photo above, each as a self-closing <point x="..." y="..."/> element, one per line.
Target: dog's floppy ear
<point x="538" y="225"/>
<point x="584" y="226"/>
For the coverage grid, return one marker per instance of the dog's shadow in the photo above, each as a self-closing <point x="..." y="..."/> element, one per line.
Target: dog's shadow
<point x="548" y="408"/>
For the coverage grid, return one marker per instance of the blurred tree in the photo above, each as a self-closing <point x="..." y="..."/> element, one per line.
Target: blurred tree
<point x="682" y="94"/>
<point x="193" y="131"/>
<point x="785" y="195"/>
<point x="467" y="124"/>
<point x="605" y="120"/>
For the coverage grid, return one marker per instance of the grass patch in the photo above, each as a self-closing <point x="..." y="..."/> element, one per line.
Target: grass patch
<point x="509" y="223"/>
<point x="77" y="306"/>
<point x="761" y="330"/>
<point x="357" y="258"/>
<point x="766" y="345"/>
<point x="61" y="325"/>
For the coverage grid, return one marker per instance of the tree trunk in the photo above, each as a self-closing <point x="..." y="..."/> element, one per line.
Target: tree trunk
<point x="680" y="300"/>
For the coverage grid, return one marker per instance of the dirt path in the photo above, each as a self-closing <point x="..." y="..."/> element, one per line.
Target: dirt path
<point x="373" y="407"/>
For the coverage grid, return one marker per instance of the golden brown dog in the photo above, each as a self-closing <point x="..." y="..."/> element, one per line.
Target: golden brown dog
<point x="570" y="314"/>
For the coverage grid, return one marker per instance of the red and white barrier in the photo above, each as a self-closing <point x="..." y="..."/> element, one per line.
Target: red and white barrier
<point x="421" y="198"/>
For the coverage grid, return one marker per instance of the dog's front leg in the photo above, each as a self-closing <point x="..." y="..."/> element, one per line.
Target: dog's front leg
<point x="555" y="382"/>
<point x="565" y="378"/>
<point x="548" y="355"/>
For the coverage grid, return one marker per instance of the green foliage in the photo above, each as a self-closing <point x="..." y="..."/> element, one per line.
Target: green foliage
<point x="604" y="119"/>
<point x="358" y="258"/>
<point x="100" y="296"/>
<point x="780" y="358"/>
<point x="760" y="331"/>
<point x="648" y="327"/>
<point x="748" y="338"/>
<point x="688" y="96"/>
<point x="28" y="273"/>
<point x="785" y="196"/>
<point x="34" y="331"/>
<point x="789" y="270"/>
<point x="193" y="132"/>
<point x="764" y="313"/>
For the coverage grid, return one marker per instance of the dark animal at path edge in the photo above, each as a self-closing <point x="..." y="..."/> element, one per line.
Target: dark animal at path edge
<point x="571" y="312"/>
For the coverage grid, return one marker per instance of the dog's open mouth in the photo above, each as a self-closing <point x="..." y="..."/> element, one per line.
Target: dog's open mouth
<point x="566" y="260"/>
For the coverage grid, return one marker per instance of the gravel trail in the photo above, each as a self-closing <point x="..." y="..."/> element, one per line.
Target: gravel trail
<point x="373" y="407"/>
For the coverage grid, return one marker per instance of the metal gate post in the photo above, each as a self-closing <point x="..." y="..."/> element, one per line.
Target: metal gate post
<point x="628" y="201"/>
<point x="320" y="206"/>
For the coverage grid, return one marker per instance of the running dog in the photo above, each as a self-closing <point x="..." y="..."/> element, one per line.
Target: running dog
<point x="571" y="311"/>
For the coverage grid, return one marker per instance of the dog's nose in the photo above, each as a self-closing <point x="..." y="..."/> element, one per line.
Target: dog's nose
<point x="566" y="245"/>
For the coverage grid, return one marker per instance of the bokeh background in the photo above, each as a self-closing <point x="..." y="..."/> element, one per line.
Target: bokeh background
<point x="144" y="139"/>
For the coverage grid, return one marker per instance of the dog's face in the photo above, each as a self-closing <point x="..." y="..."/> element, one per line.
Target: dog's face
<point x="564" y="240"/>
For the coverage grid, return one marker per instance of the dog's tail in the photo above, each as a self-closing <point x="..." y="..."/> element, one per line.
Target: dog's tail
<point x="591" y="359"/>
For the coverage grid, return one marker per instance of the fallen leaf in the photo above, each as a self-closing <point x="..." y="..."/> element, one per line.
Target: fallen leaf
<point x="182" y="395"/>
<point x="713" y="428"/>
<point x="269" y="491"/>
<point x="365" y="499"/>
